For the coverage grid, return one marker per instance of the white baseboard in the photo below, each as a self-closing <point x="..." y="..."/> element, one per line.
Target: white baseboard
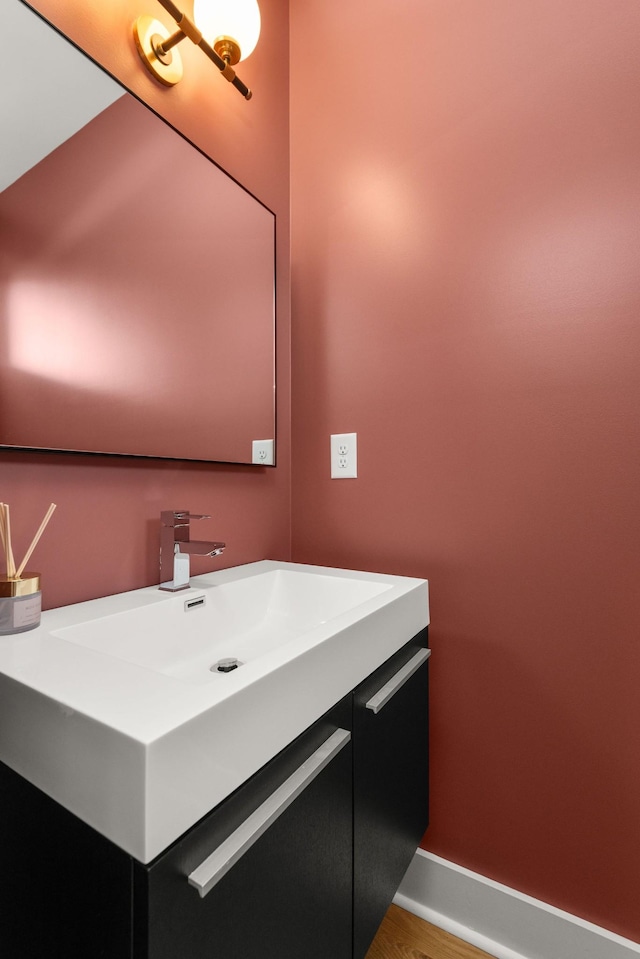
<point x="505" y="923"/>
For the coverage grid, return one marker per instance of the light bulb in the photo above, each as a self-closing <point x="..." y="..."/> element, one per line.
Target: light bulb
<point x="238" y="20"/>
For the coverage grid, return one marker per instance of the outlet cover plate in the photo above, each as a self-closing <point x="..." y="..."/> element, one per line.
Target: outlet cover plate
<point x="344" y="455"/>
<point x="262" y="452"/>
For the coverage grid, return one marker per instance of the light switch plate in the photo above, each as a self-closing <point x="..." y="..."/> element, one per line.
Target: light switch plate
<point x="344" y="455"/>
<point x="262" y="452"/>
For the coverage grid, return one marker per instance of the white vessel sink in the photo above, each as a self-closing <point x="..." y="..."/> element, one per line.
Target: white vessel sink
<point x="243" y="619"/>
<point x="112" y="709"/>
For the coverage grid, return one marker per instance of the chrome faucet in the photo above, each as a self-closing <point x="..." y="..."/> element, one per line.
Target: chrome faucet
<point x="176" y="546"/>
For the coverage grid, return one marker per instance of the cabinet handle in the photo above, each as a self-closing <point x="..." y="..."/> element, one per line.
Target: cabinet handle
<point x="214" y="867"/>
<point x="389" y="689"/>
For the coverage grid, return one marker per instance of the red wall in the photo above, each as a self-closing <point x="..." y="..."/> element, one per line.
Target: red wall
<point x="466" y="210"/>
<point x="104" y="536"/>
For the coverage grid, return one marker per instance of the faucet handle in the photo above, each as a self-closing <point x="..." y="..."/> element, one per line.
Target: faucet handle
<point x="174" y="517"/>
<point x="179" y="517"/>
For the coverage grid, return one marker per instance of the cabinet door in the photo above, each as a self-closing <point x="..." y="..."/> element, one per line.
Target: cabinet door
<point x="288" y="893"/>
<point x="391" y="782"/>
<point x="65" y="890"/>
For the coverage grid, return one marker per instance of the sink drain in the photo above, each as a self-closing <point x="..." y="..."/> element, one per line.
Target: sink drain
<point x="225" y="665"/>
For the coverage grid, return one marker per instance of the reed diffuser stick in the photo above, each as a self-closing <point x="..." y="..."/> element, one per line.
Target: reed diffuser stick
<point x="3" y="537"/>
<point x="34" y="541"/>
<point x="6" y="539"/>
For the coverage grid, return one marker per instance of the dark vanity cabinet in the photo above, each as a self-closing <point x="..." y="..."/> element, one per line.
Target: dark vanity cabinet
<point x="302" y="860"/>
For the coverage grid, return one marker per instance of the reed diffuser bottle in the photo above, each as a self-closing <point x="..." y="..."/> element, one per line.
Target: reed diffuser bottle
<point x="20" y="603"/>
<point x="20" y="595"/>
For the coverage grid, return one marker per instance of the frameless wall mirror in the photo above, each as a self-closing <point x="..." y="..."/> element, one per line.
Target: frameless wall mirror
<point x="136" y="277"/>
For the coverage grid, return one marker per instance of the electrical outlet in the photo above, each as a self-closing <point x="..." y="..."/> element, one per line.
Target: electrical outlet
<point x="344" y="455"/>
<point x="262" y="452"/>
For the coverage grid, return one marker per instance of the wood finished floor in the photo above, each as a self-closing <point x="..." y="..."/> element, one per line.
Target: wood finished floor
<point x="403" y="936"/>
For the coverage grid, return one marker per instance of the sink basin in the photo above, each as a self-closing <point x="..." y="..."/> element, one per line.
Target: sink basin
<point x="111" y="708"/>
<point x="244" y="619"/>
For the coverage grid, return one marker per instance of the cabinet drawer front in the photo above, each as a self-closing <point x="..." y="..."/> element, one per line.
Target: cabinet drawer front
<point x="288" y="892"/>
<point x="215" y="866"/>
<point x="391" y="782"/>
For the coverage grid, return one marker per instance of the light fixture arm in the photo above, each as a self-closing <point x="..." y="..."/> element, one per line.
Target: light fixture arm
<point x="171" y="41"/>
<point x="187" y="28"/>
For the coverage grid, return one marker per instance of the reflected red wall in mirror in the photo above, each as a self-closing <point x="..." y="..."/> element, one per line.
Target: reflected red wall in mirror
<point x="136" y="298"/>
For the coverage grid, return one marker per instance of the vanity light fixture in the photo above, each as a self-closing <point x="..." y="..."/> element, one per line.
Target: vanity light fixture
<point x="233" y="27"/>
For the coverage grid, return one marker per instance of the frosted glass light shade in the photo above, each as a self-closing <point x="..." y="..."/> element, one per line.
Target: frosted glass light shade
<point x="238" y="19"/>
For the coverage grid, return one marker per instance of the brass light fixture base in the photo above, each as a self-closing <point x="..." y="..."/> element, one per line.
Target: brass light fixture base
<point x="149" y="35"/>
<point x="228" y="49"/>
<point x="156" y="47"/>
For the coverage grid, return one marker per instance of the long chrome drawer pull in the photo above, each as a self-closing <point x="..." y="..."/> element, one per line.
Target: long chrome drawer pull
<point x="391" y="688"/>
<point x="214" y="867"/>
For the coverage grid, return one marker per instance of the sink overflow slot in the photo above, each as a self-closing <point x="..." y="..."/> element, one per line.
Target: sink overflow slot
<point x="194" y="603"/>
